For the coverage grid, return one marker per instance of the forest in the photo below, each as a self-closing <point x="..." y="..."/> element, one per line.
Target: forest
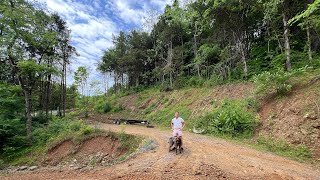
<point x="214" y="41"/>
<point x="34" y="54"/>
<point x="203" y="43"/>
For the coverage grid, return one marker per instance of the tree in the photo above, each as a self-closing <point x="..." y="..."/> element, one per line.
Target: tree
<point x="215" y="39"/>
<point x="309" y="18"/>
<point x="26" y="45"/>
<point x="81" y="81"/>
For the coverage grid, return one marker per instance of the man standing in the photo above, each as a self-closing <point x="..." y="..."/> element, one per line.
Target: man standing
<point x="177" y="124"/>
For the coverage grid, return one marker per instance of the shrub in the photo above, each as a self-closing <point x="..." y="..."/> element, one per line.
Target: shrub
<point x="165" y="88"/>
<point x="41" y="118"/>
<point x="230" y="117"/>
<point x="213" y="81"/>
<point x="102" y="107"/>
<point x="117" y="108"/>
<point x="195" y="81"/>
<point x="2" y="165"/>
<point x="86" y="130"/>
<point x="18" y="147"/>
<point x="12" y="132"/>
<point x="106" y="108"/>
<point x="275" y="82"/>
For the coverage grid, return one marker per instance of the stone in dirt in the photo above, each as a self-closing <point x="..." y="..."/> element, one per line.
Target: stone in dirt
<point x="32" y="168"/>
<point x="22" y="168"/>
<point x="77" y="168"/>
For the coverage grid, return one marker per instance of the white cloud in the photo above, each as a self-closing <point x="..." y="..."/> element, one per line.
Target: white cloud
<point x="93" y="22"/>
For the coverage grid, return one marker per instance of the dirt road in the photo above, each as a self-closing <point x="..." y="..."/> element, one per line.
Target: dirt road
<point x="203" y="158"/>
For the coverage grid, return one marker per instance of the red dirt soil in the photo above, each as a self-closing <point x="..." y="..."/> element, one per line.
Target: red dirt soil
<point x="203" y="158"/>
<point x="295" y="118"/>
<point x="105" y="145"/>
<point x="59" y="152"/>
<point x="100" y="144"/>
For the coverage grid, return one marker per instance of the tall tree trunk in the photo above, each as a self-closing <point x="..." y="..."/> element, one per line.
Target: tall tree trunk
<point x="122" y="80"/>
<point x="163" y="78"/>
<point x="27" y="96"/>
<point x="137" y="81"/>
<point x="169" y="59"/>
<point x="28" y="106"/>
<point x="309" y="41"/>
<point x="195" y="50"/>
<point x="171" y="85"/>
<point x="64" y="86"/>
<point x="115" y="82"/>
<point x="309" y="44"/>
<point x="41" y="95"/>
<point x="105" y="83"/>
<point x="245" y="66"/>
<point x="47" y="94"/>
<point x="286" y="37"/>
<point x="61" y="98"/>
<point x="195" y="46"/>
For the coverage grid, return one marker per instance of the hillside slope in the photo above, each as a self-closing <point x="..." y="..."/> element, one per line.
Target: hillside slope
<point x="294" y="118"/>
<point x="191" y="103"/>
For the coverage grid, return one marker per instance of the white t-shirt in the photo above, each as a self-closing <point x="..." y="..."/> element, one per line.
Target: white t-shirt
<point x="177" y="123"/>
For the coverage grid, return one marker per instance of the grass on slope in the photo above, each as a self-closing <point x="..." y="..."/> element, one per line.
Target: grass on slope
<point x="194" y="103"/>
<point x="57" y="131"/>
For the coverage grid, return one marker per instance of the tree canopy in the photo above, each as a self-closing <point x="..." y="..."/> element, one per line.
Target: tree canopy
<point x="216" y="40"/>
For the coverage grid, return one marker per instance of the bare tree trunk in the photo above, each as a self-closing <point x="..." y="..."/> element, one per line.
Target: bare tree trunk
<point x="28" y="106"/>
<point x="169" y="61"/>
<point x="309" y="41"/>
<point x="182" y="54"/>
<point x="163" y="78"/>
<point x="115" y="82"/>
<point x="286" y="38"/>
<point x="195" y="50"/>
<point x="268" y="31"/>
<point x="245" y="66"/>
<point x="137" y="81"/>
<point x="47" y="95"/>
<point x="61" y="97"/>
<point x="121" y="80"/>
<point x="171" y="85"/>
<point x="64" y="87"/>
<point x="105" y="83"/>
<point x="41" y="95"/>
<point x="309" y="44"/>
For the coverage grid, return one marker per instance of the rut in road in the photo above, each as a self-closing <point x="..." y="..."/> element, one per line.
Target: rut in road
<point x="203" y="158"/>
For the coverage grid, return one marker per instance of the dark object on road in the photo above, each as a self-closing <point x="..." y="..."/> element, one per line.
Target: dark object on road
<point x="175" y="143"/>
<point x="178" y="145"/>
<point x="131" y="121"/>
<point x="171" y="143"/>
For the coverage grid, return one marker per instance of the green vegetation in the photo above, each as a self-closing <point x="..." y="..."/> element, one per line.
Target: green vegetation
<point x="35" y="50"/>
<point x="45" y="136"/>
<point x="128" y="142"/>
<point x="102" y="107"/>
<point x="277" y="82"/>
<point x="200" y="45"/>
<point x="58" y="130"/>
<point x="230" y="117"/>
<point x="281" y="147"/>
<point x="209" y="42"/>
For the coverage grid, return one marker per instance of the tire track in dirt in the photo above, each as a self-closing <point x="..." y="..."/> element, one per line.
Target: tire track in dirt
<point x="203" y="158"/>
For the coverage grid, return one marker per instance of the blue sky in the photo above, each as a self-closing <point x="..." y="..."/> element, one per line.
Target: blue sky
<point x="93" y="22"/>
